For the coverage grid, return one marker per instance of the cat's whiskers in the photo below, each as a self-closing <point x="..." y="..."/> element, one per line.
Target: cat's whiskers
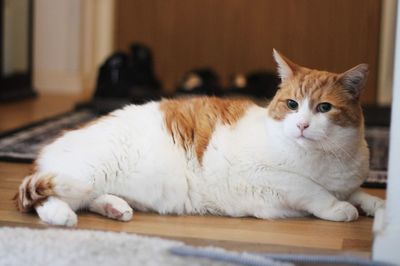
<point x="352" y="160"/>
<point x="333" y="144"/>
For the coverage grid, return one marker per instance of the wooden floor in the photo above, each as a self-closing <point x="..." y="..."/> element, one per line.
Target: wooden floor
<point x="308" y="235"/>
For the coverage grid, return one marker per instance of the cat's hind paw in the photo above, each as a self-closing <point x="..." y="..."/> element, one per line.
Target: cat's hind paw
<point x="54" y="211"/>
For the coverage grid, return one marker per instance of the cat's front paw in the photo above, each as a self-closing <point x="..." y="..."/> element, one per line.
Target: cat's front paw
<point x="371" y="205"/>
<point x="341" y="211"/>
<point x="112" y="207"/>
<point x="120" y="212"/>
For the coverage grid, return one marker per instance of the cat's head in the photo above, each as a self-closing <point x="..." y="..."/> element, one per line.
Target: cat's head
<point x="318" y="106"/>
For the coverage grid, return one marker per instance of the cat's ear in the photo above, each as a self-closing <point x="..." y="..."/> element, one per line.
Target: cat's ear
<point x="286" y="68"/>
<point x="353" y="80"/>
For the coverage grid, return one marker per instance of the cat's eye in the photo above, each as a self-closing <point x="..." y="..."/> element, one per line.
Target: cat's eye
<point x="293" y="105"/>
<point x="324" y="107"/>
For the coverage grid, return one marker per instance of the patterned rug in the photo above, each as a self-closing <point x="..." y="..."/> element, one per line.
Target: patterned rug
<point x="23" y="144"/>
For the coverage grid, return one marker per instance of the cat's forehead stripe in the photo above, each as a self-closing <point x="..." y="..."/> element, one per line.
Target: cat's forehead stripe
<point x="312" y="85"/>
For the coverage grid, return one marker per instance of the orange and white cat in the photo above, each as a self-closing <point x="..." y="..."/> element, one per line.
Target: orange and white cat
<point x="305" y="153"/>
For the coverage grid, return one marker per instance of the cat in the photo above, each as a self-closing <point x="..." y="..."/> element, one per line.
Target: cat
<point x="303" y="154"/>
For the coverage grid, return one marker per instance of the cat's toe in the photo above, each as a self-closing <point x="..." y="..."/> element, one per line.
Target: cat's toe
<point x="70" y="220"/>
<point x="121" y="212"/>
<point x="127" y="215"/>
<point x="347" y="211"/>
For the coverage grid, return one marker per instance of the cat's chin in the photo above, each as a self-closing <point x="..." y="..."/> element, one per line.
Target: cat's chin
<point x="304" y="141"/>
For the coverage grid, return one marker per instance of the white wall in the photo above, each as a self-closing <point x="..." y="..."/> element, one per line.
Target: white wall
<point x="68" y="46"/>
<point x="387" y="221"/>
<point x="386" y="52"/>
<point x="15" y="30"/>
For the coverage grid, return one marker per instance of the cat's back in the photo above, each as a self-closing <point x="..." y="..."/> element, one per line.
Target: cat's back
<point x="169" y="127"/>
<point x="191" y="123"/>
<point x="108" y="138"/>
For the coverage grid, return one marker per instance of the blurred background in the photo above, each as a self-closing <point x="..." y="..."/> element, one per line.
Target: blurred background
<point x="62" y="43"/>
<point x="64" y="63"/>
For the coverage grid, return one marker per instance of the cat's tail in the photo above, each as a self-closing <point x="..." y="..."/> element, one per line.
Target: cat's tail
<point x="34" y="189"/>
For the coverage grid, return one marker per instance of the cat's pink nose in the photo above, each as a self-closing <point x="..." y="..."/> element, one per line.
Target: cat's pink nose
<point x="303" y="125"/>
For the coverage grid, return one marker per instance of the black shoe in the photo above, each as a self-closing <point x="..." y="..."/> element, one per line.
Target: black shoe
<point x="128" y="77"/>
<point x="202" y="81"/>
<point x="258" y="84"/>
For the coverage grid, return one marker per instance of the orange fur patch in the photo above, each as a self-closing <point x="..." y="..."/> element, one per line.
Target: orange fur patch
<point x="191" y="122"/>
<point x="318" y="87"/>
<point x="33" y="190"/>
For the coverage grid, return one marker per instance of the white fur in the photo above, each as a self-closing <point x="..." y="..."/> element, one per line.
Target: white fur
<point x="258" y="167"/>
<point x="284" y="70"/>
<point x="112" y="207"/>
<point x="56" y="212"/>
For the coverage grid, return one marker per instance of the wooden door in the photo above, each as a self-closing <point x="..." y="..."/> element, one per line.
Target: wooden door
<point x="234" y="36"/>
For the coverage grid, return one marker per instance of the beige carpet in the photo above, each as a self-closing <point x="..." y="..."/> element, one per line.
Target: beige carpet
<point x="22" y="246"/>
<point x="59" y="247"/>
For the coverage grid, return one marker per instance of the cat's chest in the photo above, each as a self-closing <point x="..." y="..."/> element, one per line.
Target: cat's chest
<point x="337" y="173"/>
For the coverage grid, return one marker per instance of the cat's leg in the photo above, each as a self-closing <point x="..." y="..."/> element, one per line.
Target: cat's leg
<point x="319" y="202"/>
<point x="303" y="194"/>
<point x="334" y="210"/>
<point x="54" y="196"/>
<point x="368" y="203"/>
<point x="112" y="207"/>
<point x="54" y="211"/>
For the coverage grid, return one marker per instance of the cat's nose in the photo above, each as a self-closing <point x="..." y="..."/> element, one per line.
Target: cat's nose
<point x="303" y="125"/>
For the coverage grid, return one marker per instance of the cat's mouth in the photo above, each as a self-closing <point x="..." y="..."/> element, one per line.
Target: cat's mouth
<point x="303" y="137"/>
<point x="304" y="141"/>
